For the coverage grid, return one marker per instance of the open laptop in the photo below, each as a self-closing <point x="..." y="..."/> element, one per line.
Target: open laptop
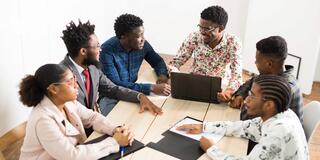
<point x="195" y="87"/>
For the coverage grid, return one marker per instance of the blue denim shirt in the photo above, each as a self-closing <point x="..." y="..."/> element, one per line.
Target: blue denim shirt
<point x="122" y="67"/>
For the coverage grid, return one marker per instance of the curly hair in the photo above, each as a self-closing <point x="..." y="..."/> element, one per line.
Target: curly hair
<point x="77" y="37"/>
<point x="216" y="14"/>
<point x="274" y="47"/>
<point x="33" y="87"/>
<point x="125" y="23"/>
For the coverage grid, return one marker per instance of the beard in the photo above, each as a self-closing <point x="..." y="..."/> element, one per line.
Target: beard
<point x="91" y="60"/>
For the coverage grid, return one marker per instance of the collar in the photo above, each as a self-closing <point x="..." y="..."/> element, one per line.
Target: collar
<point x="223" y="41"/>
<point x="278" y="116"/>
<point x="47" y="105"/>
<point x="288" y="73"/>
<point x="78" y="67"/>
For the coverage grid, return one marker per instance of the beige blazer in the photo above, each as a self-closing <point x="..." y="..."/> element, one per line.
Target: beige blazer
<point x="49" y="135"/>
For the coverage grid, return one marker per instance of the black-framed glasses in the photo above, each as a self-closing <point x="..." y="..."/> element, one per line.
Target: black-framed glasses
<point x="206" y="29"/>
<point x="252" y="96"/>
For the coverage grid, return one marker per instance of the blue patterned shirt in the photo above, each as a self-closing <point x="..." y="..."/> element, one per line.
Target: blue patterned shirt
<point x="122" y="67"/>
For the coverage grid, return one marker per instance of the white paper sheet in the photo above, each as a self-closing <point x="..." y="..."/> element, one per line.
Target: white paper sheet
<point x="215" y="137"/>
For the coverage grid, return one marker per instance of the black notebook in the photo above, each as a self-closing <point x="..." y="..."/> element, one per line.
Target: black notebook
<point x="195" y="87"/>
<point x="136" y="145"/>
<point x="178" y="146"/>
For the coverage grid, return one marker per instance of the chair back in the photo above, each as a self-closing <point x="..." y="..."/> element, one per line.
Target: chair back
<point x="311" y="117"/>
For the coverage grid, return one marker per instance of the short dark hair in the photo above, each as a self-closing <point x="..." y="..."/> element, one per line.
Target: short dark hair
<point x="216" y="14"/>
<point x="34" y="87"/>
<point x="77" y="37"/>
<point x="274" y="47"/>
<point x="125" y="23"/>
<point x="275" y="88"/>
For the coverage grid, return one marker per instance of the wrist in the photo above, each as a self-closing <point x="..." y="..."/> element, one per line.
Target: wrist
<point x="203" y="126"/>
<point x="151" y="87"/>
<point x="212" y="148"/>
<point x="140" y="96"/>
<point x="116" y="129"/>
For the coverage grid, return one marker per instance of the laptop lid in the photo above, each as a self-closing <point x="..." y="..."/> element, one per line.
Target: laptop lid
<point x="195" y="87"/>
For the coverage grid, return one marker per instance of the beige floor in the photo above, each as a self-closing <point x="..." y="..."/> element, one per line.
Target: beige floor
<point x="12" y="151"/>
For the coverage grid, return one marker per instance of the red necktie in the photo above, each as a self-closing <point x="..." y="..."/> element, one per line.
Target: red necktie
<point x="87" y="84"/>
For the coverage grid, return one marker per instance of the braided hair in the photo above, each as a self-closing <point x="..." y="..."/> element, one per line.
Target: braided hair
<point x="275" y="88"/>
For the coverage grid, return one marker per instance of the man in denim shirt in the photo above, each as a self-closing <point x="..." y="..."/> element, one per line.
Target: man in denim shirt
<point x="122" y="56"/>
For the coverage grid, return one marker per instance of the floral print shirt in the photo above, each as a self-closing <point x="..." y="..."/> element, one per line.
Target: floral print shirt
<point x="222" y="61"/>
<point x="281" y="137"/>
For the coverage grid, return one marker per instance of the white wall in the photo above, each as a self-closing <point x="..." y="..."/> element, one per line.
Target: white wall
<point x="317" y="74"/>
<point x="30" y="37"/>
<point x="298" y="23"/>
<point x="30" y="34"/>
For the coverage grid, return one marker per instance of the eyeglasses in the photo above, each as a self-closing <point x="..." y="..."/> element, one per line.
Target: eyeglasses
<point x="96" y="46"/>
<point x="70" y="82"/>
<point x="206" y="29"/>
<point x="252" y="96"/>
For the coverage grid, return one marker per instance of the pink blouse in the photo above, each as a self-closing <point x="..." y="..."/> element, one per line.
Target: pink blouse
<point x="49" y="135"/>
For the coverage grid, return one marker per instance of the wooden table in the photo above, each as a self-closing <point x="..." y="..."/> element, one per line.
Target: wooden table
<point x="148" y="128"/>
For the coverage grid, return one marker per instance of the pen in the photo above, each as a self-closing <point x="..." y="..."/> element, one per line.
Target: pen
<point x="122" y="151"/>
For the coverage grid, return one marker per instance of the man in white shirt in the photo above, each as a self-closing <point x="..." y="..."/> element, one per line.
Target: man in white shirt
<point x="277" y="129"/>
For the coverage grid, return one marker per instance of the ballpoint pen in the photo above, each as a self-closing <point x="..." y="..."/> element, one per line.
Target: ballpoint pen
<point x="122" y="151"/>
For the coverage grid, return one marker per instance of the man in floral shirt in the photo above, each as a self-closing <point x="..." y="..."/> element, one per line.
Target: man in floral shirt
<point x="277" y="129"/>
<point x="215" y="52"/>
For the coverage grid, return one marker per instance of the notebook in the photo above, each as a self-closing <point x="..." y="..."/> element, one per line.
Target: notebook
<point x="136" y="145"/>
<point x="195" y="87"/>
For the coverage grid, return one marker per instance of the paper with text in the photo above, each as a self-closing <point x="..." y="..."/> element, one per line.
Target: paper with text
<point x="215" y="137"/>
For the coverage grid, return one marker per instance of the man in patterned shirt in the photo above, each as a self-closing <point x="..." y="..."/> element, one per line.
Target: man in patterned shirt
<point x="215" y="52"/>
<point x="277" y="129"/>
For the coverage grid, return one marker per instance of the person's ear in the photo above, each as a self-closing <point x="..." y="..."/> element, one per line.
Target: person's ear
<point x="124" y="37"/>
<point x="83" y="51"/>
<point x="53" y="90"/>
<point x="269" y="105"/>
<point x="221" y="28"/>
<point x="270" y="63"/>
